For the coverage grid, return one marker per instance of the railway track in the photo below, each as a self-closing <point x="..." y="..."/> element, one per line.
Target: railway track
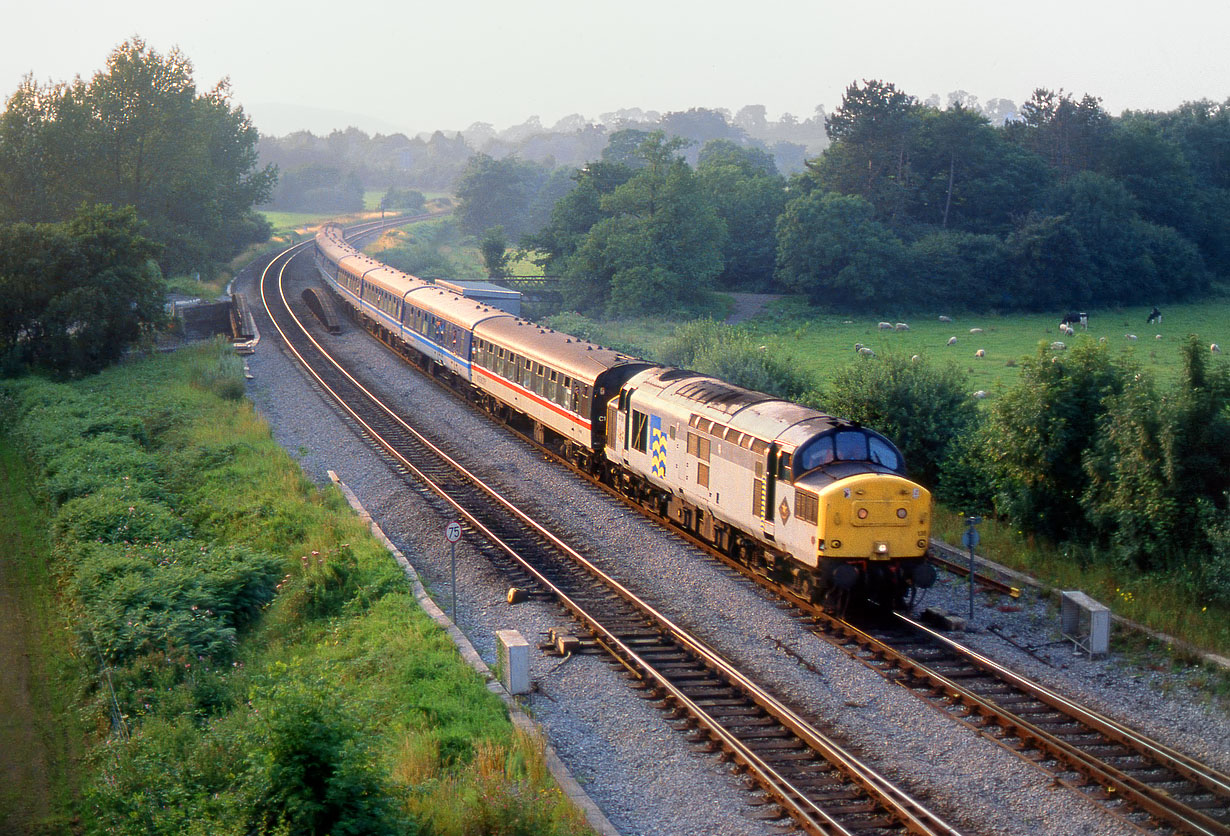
<point x="825" y="789"/>
<point x="1143" y="782"/>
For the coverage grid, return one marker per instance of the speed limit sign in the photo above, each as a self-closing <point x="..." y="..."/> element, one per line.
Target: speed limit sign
<point x="453" y="532"/>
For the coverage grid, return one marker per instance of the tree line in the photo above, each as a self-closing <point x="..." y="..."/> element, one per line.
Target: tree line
<point x="1060" y="206"/>
<point x="106" y="186"/>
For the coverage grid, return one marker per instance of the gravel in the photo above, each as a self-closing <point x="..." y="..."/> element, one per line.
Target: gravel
<point x="646" y="777"/>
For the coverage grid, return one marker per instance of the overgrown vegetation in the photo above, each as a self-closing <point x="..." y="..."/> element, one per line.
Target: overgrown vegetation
<point x="250" y="659"/>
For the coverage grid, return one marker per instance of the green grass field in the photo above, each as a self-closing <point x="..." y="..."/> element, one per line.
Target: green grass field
<point x="820" y="343"/>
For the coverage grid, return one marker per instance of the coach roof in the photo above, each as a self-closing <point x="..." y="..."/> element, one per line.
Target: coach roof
<point x="571" y="355"/>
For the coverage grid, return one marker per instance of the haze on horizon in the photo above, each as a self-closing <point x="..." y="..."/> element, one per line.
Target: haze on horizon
<point x="479" y="61"/>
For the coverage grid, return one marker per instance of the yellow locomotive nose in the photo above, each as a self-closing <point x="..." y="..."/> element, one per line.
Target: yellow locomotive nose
<point x="875" y="516"/>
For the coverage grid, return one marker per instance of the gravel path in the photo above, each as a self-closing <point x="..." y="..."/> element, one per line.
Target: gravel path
<point x="643" y="775"/>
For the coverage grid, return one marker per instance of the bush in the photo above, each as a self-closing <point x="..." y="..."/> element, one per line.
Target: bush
<point x="186" y="596"/>
<point x="113" y="515"/>
<point x="313" y="765"/>
<point x="731" y="353"/>
<point x="921" y="407"/>
<point x="96" y="462"/>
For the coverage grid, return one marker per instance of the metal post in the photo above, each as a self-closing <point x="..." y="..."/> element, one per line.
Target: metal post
<point x="970" y="539"/>
<point x="452" y="555"/>
<point x="971" y="583"/>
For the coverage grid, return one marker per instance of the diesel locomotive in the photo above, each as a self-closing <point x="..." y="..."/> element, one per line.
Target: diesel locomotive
<point x="820" y="504"/>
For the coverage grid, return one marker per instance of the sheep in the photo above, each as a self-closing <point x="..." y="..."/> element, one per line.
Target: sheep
<point x="980" y="394"/>
<point x="1215" y="348"/>
<point x="945" y="319"/>
<point x="1130" y="336"/>
<point x="1101" y="339"/>
<point x="866" y="352"/>
<point x="980" y="353"/>
<point x="952" y="341"/>
<point x="901" y="326"/>
<point x="1067" y="329"/>
<point x="1157" y="337"/>
<point x="847" y="322"/>
<point x="975" y="330"/>
<point x="885" y="326"/>
<point x="1057" y="346"/>
<point x="914" y="358"/>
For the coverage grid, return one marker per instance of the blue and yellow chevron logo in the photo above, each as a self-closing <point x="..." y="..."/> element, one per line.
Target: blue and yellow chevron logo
<point x="657" y="446"/>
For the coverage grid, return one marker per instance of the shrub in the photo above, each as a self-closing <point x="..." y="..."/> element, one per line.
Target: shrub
<point x="921" y="407"/>
<point x="95" y="462"/>
<point x="185" y="595"/>
<point x="731" y="353"/>
<point x="112" y="515"/>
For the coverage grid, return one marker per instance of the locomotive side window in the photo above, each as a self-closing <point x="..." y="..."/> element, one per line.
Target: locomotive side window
<point x="702" y="474"/>
<point x="783" y="466"/>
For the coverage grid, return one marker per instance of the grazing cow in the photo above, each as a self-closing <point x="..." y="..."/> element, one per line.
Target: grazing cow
<point x="1154" y="316"/>
<point x="952" y="340"/>
<point x="980" y="353"/>
<point x="1076" y="318"/>
<point x="945" y="319"/>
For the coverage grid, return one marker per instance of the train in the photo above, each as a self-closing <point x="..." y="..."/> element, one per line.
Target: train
<point x="819" y="504"/>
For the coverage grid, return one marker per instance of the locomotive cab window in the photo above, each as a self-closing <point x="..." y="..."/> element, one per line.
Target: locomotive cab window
<point x="640" y="431"/>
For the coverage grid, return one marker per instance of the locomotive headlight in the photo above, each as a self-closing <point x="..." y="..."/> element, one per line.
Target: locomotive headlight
<point x="881" y="548"/>
<point x="901" y="513"/>
<point x="862" y="513"/>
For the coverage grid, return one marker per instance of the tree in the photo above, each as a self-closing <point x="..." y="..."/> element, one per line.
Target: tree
<point x="872" y="134"/>
<point x="830" y="247"/>
<point x="494" y="249"/>
<point x="744" y="187"/>
<point x="660" y="242"/>
<point x="78" y="293"/>
<point x="139" y="134"/>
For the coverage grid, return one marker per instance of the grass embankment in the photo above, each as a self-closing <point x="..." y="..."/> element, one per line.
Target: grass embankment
<point x="41" y="737"/>
<point x="248" y="659"/>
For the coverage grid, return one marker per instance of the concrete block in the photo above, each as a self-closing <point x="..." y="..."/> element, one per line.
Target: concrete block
<point x="514" y="661"/>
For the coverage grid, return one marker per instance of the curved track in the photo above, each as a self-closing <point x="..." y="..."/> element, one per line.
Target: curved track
<point x="823" y="788"/>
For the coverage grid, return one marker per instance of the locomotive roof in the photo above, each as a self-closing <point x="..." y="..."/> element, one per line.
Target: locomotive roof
<point x="572" y="355"/>
<point x="747" y="410"/>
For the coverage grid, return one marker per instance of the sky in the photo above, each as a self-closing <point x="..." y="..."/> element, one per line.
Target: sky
<point x="422" y="65"/>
